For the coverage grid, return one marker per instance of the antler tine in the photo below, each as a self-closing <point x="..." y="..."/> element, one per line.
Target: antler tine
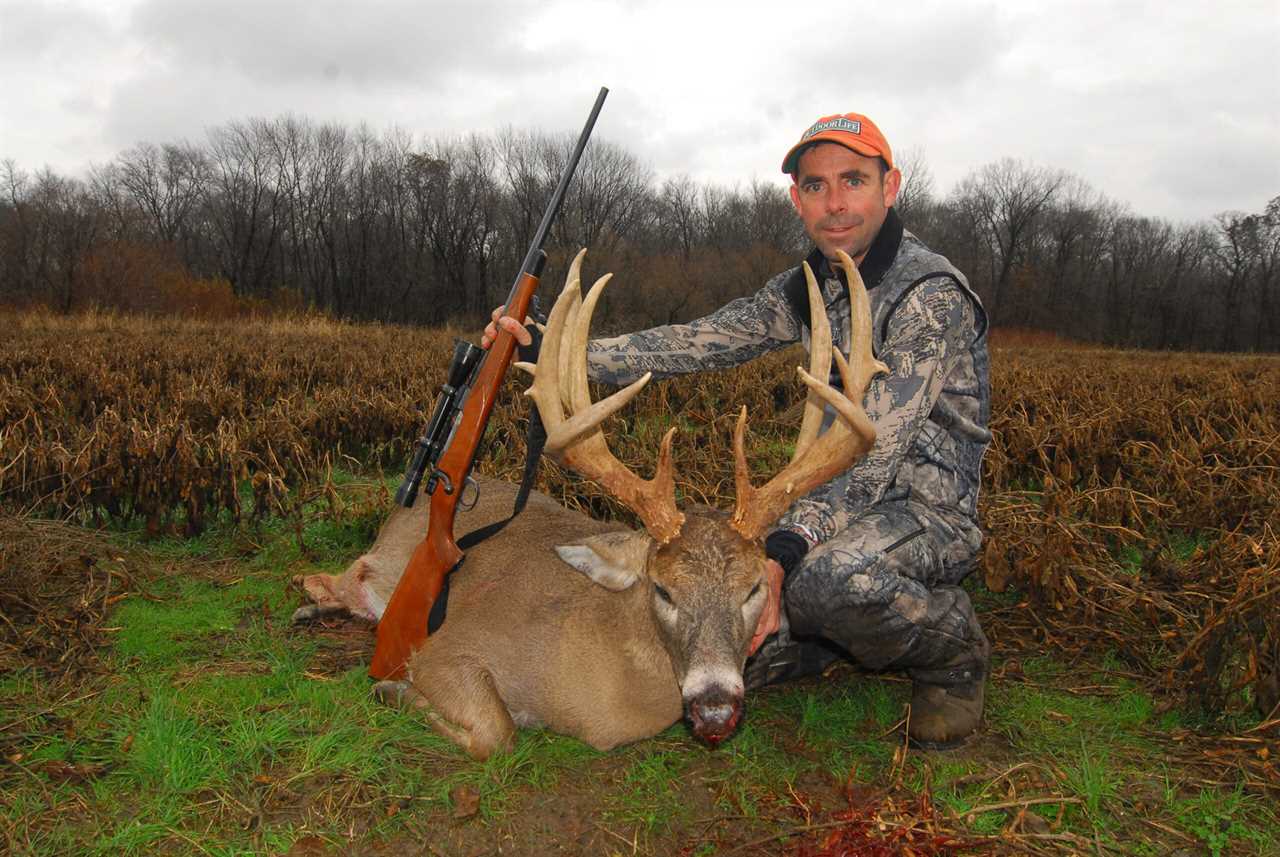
<point x="848" y="438"/>
<point x="864" y="365"/>
<point x="565" y="372"/>
<point x="578" y="335"/>
<point x="545" y="389"/>
<point x="578" y="441"/>
<point x="819" y="365"/>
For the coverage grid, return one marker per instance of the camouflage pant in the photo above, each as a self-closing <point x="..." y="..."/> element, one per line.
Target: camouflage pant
<point x="885" y="591"/>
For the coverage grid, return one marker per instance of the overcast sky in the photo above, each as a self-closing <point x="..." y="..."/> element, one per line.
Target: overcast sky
<point x="1172" y="107"/>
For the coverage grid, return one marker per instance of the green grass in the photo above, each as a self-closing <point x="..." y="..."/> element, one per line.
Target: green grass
<point x="1220" y="819"/>
<point x="648" y="792"/>
<point x="1177" y="546"/>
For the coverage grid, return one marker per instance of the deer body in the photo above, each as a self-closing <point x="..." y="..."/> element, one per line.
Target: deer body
<point x="531" y="642"/>
<point x="534" y="641"/>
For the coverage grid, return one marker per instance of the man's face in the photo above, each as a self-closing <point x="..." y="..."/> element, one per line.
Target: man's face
<point x="842" y="198"/>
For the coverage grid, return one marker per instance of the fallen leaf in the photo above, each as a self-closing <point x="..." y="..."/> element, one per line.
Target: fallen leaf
<point x="65" y="771"/>
<point x="308" y="846"/>
<point x="1031" y="822"/>
<point x="127" y="743"/>
<point x="466" y="801"/>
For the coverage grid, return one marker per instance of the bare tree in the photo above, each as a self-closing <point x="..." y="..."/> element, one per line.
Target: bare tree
<point x="64" y="227"/>
<point x="916" y="200"/>
<point x="1176" y="313"/>
<point x="16" y="278"/>
<point x="609" y="198"/>
<point x="1267" y="239"/>
<point x="1078" y="215"/>
<point x="243" y="204"/>
<point x="1005" y="199"/>
<point x="679" y="220"/>
<point x="167" y="184"/>
<point x="1236" y="254"/>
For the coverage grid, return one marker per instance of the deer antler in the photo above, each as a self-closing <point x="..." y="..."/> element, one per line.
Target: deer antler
<point x="817" y="458"/>
<point x="577" y="441"/>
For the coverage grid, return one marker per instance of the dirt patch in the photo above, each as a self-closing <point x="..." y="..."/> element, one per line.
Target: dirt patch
<point x="345" y="643"/>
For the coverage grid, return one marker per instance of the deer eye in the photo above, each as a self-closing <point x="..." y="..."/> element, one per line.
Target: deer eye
<point x="663" y="594"/>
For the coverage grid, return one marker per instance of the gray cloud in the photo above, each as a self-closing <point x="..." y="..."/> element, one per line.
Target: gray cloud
<point x="325" y="42"/>
<point x="35" y="32"/>
<point x="1172" y="108"/>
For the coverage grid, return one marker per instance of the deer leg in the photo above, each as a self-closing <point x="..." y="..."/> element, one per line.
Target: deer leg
<point x="465" y="708"/>
<point x="317" y="612"/>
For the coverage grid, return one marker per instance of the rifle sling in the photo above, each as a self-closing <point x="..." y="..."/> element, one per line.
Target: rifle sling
<point x="535" y="440"/>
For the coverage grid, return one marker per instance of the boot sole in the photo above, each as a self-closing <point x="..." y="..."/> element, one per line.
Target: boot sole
<point x="939" y="746"/>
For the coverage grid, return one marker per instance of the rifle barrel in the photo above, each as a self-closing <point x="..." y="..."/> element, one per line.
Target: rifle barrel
<point x="557" y="198"/>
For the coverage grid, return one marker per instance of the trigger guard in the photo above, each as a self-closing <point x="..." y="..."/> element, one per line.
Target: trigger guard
<point x="475" y="494"/>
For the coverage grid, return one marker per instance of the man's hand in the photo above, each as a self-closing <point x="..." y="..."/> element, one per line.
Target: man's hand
<point x="770" y="617"/>
<point x="507" y="323"/>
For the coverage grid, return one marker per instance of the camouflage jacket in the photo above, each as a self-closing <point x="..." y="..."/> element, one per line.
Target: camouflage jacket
<point x="930" y="412"/>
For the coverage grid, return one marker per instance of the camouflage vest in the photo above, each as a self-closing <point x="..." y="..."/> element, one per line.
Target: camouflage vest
<point x="945" y="463"/>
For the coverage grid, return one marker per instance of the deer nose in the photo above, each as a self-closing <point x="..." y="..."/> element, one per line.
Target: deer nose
<point x="715" y="716"/>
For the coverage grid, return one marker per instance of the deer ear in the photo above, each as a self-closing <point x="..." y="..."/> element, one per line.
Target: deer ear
<point x="613" y="560"/>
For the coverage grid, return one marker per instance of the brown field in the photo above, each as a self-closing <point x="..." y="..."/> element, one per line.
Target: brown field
<point x="1131" y="498"/>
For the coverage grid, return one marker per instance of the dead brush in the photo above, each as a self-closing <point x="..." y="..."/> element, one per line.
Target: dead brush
<point x="57" y="582"/>
<point x="1104" y="454"/>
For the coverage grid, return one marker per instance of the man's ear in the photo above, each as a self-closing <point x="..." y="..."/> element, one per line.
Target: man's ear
<point x="795" y="194"/>
<point x="613" y="560"/>
<point x="892" y="184"/>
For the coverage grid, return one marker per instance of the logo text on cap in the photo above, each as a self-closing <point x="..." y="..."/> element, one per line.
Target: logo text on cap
<point x="839" y="123"/>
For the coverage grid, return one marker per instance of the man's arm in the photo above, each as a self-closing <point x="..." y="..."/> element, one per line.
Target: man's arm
<point x="928" y="334"/>
<point x="737" y="332"/>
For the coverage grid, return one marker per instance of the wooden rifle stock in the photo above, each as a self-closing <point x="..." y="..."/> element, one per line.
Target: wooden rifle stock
<point x="403" y="626"/>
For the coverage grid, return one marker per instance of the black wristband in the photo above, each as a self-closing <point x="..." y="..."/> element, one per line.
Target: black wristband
<point x="787" y="548"/>
<point x="529" y="353"/>
<point x="537" y="434"/>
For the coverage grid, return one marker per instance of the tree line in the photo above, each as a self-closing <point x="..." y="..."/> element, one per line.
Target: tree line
<point x="264" y="214"/>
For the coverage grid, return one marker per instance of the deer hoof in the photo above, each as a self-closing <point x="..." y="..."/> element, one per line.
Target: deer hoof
<point x="391" y="693"/>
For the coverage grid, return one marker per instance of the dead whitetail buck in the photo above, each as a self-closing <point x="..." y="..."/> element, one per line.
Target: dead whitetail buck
<point x="658" y="621"/>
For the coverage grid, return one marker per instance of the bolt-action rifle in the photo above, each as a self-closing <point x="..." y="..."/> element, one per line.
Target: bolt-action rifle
<point x="448" y="448"/>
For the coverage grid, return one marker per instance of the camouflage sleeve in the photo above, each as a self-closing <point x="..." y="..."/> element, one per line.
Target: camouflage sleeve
<point x="927" y="334"/>
<point x="737" y="332"/>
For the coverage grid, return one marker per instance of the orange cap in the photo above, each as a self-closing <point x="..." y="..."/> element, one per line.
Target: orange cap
<point x="851" y="130"/>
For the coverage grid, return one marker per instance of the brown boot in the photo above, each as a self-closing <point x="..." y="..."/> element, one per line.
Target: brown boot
<point x="946" y="703"/>
<point x="943" y="718"/>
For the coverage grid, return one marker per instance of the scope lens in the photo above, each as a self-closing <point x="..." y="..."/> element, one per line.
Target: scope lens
<point x="465" y="357"/>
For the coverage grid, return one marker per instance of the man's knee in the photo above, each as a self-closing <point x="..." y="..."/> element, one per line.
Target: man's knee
<point x="829" y="579"/>
<point x="883" y="616"/>
<point x="852" y="599"/>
